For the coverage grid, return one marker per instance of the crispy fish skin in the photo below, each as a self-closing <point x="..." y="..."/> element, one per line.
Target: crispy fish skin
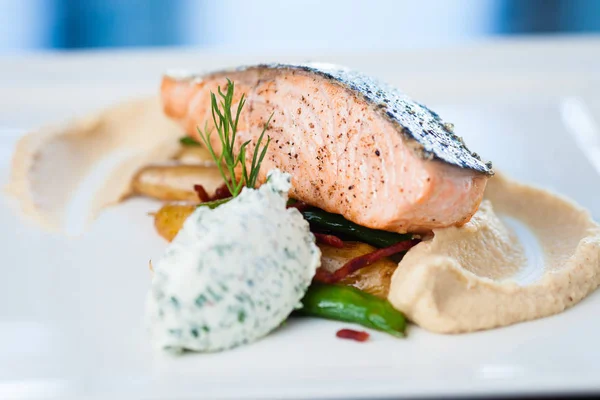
<point x="354" y="146"/>
<point x="414" y="120"/>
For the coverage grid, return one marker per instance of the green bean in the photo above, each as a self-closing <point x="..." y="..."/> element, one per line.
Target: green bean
<point x="345" y="303"/>
<point x="337" y="224"/>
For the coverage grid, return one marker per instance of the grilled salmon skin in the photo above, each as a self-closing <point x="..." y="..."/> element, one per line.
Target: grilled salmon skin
<point x="354" y="146"/>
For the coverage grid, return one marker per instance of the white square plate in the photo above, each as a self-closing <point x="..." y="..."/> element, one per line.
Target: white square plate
<point x="71" y="309"/>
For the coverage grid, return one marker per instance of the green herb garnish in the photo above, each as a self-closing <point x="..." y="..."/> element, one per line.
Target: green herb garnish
<point x="188" y="141"/>
<point x="226" y="125"/>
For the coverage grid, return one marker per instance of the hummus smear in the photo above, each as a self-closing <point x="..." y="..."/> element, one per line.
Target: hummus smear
<point x="51" y="165"/>
<point x="483" y="275"/>
<point x="526" y="254"/>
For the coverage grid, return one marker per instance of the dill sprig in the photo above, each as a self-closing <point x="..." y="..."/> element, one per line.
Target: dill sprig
<point x="226" y="124"/>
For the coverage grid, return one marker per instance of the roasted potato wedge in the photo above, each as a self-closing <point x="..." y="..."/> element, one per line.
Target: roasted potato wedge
<point x="373" y="279"/>
<point x="170" y="218"/>
<point x="195" y="155"/>
<point x="175" y="182"/>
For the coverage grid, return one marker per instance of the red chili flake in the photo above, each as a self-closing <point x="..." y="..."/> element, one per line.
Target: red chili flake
<point x="329" y="239"/>
<point x="202" y="195"/>
<point x="359" y="336"/>
<point x="362" y="261"/>
<point x="222" y="192"/>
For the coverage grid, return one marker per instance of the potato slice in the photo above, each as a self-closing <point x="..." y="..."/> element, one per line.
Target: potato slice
<point x="175" y="182"/>
<point x="170" y="218"/>
<point x="373" y="279"/>
<point x="195" y="155"/>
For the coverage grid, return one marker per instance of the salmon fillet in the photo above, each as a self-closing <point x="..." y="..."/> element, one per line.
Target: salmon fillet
<point x="354" y="146"/>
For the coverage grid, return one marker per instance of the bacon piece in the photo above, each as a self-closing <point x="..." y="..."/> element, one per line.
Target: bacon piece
<point x="222" y="192"/>
<point x="331" y="240"/>
<point x="359" y="336"/>
<point x="202" y="195"/>
<point x="357" y="263"/>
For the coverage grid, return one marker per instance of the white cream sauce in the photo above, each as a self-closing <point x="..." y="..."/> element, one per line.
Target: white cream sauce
<point x="233" y="274"/>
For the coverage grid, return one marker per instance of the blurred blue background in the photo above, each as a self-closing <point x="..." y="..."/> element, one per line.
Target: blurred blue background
<point x="254" y="25"/>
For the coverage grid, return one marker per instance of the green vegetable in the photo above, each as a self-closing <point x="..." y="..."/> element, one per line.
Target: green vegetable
<point x="214" y="203"/>
<point x="335" y="223"/>
<point x="345" y="303"/>
<point x="226" y="125"/>
<point x="188" y="141"/>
